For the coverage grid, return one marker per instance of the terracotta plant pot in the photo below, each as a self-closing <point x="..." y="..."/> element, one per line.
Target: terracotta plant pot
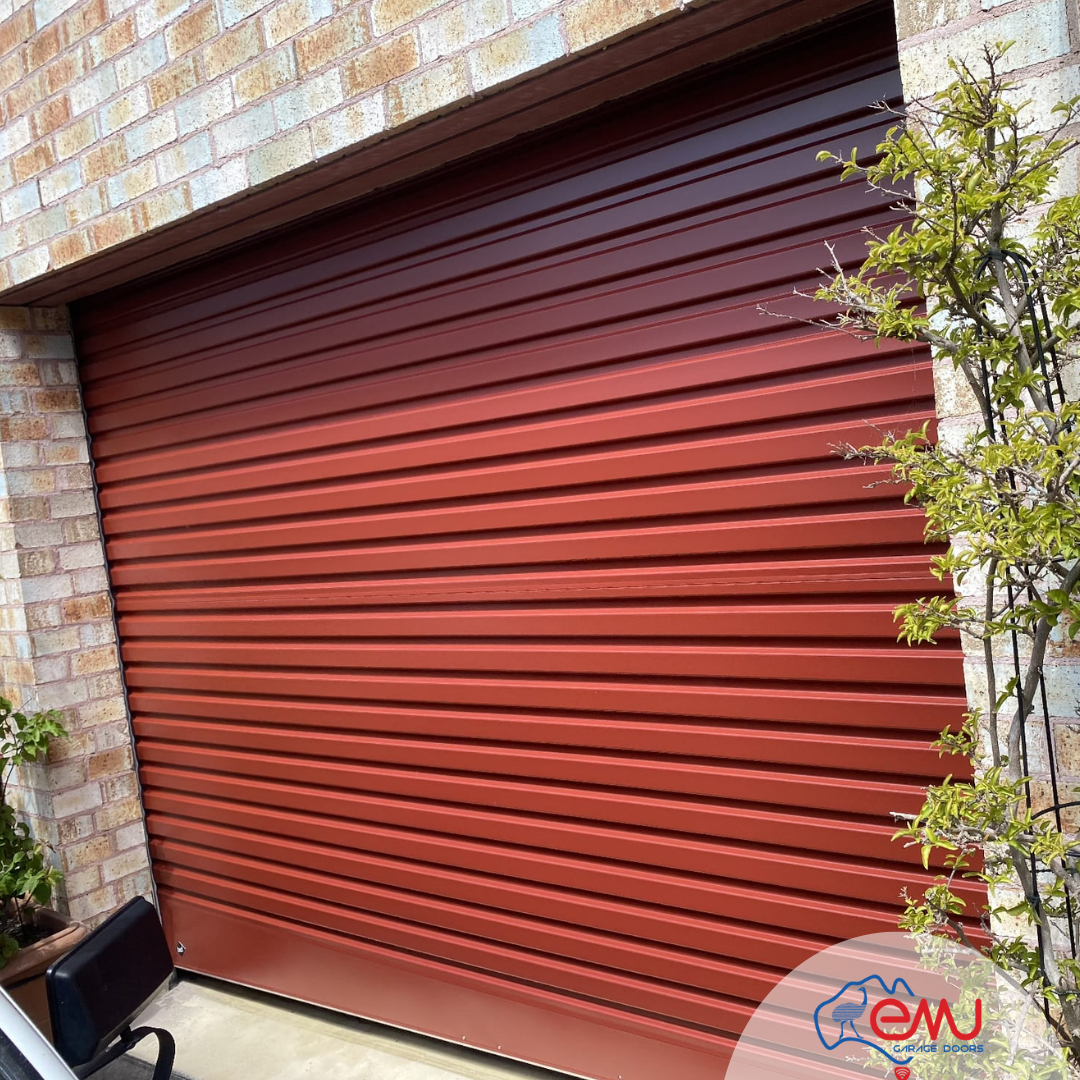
<point x="23" y="977"/>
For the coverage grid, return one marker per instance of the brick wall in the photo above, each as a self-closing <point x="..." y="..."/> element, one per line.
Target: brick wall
<point x="125" y="115"/>
<point x="1045" y="62"/>
<point x="57" y="633"/>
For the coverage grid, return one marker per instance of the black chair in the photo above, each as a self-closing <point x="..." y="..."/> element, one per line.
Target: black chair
<point x="103" y="984"/>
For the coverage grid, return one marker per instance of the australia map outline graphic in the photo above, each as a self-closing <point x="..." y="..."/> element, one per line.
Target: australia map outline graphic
<point x="847" y="1012"/>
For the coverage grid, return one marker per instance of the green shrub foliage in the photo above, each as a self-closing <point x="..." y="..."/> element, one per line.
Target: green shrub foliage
<point x="25" y="873"/>
<point x="986" y="248"/>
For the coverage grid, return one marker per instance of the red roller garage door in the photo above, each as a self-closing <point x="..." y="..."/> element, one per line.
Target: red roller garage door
<point x="510" y="657"/>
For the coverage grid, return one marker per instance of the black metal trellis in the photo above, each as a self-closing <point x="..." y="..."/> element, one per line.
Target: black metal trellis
<point x="1053" y="389"/>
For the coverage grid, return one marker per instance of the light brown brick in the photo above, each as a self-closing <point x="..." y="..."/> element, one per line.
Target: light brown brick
<point x="81" y="207"/>
<point x="63" y="453"/>
<point x="97" y="633"/>
<point x="74" y="829"/>
<point x="122" y="787"/>
<point x="18" y="375"/>
<point x="191" y="30"/>
<point x="94" y="907"/>
<point x="109" y="763"/>
<point x="124" y="110"/>
<point x="51" y="642"/>
<point x="152" y="15"/>
<point x="42" y="47"/>
<point x="455" y="26"/>
<point x="81" y="530"/>
<point x="1067" y="748"/>
<point x="45" y="616"/>
<point x="35" y="563"/>
<point x="231" y="50"/>
<point x="91" y="661"/>
<point x="915" y="18"/>
<point x="45" y="828"/>
<point x="116" y="37"/>
<point x="77" y="801"/>
<point x="63" y="71"/>
<point x="75" y="137"/>
<point x="381" y="64"/>
<point x="34" y="161"/>
<point x="69" y="249"/>
<point x="129" y="836"/>
<point x="56" y="400"/>
<point x="78" y="556"/>
<point x="173" y="82"/>
<point x="387" y="15"/>
<point x="184" y="158"/>
<point x="139" y="884"/>
<point x="281" y="155"/>
<point x="26" y="455"/>
<point x="266" y="74"/>
<point x="122" y="812"/>
<point x="85" y="20"/>
<point x="16" y="29"/>
<point x="125" y="864"/>
<point x="110" y="736"/>
<point x="80" y="608"/>
<point x="43" y="227"/>
<point x="76" y="744"/>
<point x="430" y="91"/>
<point x="291" y="18"/>
<point x="590" y="22"/>
<point x="14" y="318"/>
<point x="82" y="881"/>
<point x="29" y="507"/>
<point x="101" y="686"/>
<point x="32" y="482"/>
<point x="50" y="116"/>
<point x="161" y="208"/>
<point x="11" y="70"/>
<point x="87" y="852"/>
<point x="25" y="96"/>
<point x="200" y="110"/>
<point x="313" y="97"/>
<point x="17" y="428"/>
<point x="18" y="671"/>
<point x="70" y="773"/>
<point x="103" y="161"/>
<point x="344" y="34"/>
<point x="106" y="711"/>
<point x="132" y="183"/>
<point x="349" y="126"/>
<point x="54" y="186"/>
<point x="42" y="616"/>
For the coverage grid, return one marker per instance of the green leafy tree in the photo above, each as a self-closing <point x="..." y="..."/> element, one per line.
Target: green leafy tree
<point x="25" y="873"/>
<point x="984" y="249"/>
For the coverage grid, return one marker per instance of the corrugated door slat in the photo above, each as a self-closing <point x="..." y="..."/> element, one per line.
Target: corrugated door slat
<point x="510" y="656"/>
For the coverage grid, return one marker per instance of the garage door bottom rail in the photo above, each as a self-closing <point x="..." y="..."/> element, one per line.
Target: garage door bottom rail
<point x="362" y="979"/>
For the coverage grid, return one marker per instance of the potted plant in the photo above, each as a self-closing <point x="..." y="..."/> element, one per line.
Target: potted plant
<point x="32" y="935"/>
